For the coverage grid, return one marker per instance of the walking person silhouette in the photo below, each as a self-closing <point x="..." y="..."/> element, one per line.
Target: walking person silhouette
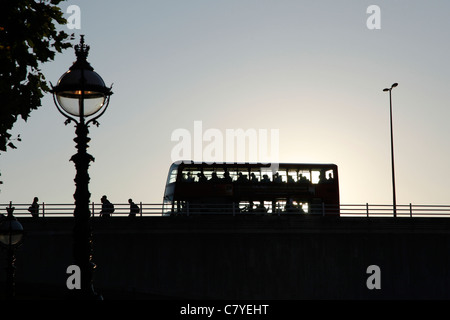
<point x="34" y="208"/>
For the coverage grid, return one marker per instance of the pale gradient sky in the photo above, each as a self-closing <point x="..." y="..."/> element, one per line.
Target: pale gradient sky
<point x="311" y="69"/>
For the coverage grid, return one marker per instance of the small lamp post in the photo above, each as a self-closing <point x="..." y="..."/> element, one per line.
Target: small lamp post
<point x="81" y="93"/>
<point x="392" y="147"/>
<point x="11" y="236"/>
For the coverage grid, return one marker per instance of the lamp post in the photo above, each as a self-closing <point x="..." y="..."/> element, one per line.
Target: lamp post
<point x="81" y="93"/>
<point x="11" y="235"/>
<point x="392" y="147"/>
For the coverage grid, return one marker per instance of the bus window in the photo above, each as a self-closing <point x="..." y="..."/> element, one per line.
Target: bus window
<point x="220" y="173"/>
<point x="283" y="175"/>
<point x="187" y="176"/>
<point x="304" y="176"/>
<point x="227" y="176"/>
<point x="260" y="207"/>
<point x="322" y="176"/>
<point x="267" y="206"/>
<point x="195" y="173"/>
<point x="245" y="206"/>
<point x="255" y="175"/>
<point x="266" y="175"/>
<point x="242" y="176"/>
<point x="208" y="173"/>
<point x="212" y="174"/>
<point x="305" y="207"/>
<point x="315" y="176"/>
<point x="292" y="176"/>
<point x="173" y="175"/>
<point x="300" y="207"/>
<point x="280" y="176"/>
<point x="329" y="174"/>
<point x="233" y="174"/>
<point x="278" y="206"/>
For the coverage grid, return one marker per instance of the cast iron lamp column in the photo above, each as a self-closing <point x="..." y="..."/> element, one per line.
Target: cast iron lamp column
<point x="11" y="234"/>
<point x="392" y="148"/>
<point x="81" y="92"/>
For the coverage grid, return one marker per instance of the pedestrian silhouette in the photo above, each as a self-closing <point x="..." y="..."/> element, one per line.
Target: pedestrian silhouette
<point x="107" y="208"/>
<point x="34" y="208"/>
<point x="134" y="209"/>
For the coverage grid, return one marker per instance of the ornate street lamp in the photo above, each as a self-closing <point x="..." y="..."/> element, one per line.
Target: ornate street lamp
<point x="81" y="93"/>
<point x="11" y="235"/>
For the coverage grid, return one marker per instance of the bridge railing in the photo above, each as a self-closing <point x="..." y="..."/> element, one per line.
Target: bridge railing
<point x="407" y="210"/>
<point x="159" y="209"/>
<point x="66" y="210"/>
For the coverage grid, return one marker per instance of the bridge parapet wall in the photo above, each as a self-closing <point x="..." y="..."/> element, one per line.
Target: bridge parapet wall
<point x="247" y="257"/>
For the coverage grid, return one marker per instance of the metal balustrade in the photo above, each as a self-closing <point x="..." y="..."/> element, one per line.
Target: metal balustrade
<point x="66" y="210"/>
<point x="159" y="209"/>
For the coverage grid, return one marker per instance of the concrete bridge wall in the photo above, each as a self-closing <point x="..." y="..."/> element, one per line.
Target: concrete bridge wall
<point x="245" y="257"/>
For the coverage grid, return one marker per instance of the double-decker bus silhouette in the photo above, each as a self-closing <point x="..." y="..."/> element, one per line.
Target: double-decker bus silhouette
<point x="301" y="188"/>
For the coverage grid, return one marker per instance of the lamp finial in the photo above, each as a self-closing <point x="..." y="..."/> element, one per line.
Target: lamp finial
<point x="82" y="50"/>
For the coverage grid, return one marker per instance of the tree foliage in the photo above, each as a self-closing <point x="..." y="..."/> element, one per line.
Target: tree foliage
<point x="28" y="37"/>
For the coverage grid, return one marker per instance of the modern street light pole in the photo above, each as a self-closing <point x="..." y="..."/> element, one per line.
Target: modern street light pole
<point x="81" y="92"/>
<point x="392" y="148"/>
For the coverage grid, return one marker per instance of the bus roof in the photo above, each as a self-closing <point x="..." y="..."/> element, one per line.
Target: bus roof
<point x="191" y="163"/>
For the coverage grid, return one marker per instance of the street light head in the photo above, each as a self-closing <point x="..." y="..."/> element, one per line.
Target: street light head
<point x="386" y="89"/>
<point x="394" y="85"/>
<point x="11" y="230"/>
<point x="81" y="92"/>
